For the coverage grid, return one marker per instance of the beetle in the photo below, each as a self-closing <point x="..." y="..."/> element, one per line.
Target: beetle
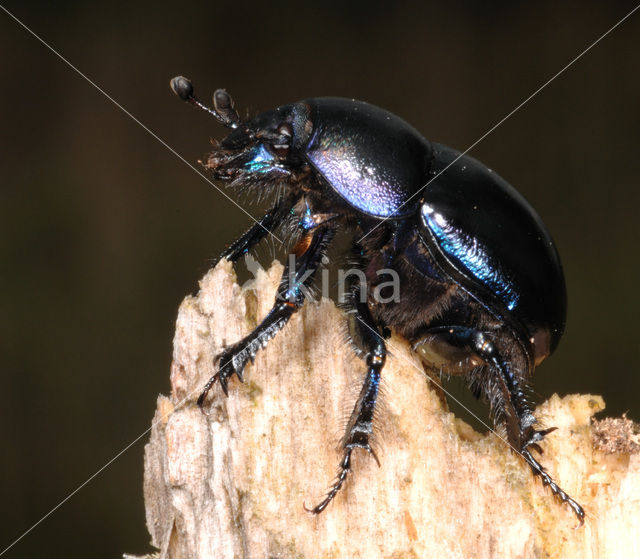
<point x="482" y="291"/>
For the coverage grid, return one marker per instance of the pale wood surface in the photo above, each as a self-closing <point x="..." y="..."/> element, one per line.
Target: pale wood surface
<point x="233" y="484"/>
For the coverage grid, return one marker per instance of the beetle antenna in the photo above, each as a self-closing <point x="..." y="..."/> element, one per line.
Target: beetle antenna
<point x="224" y="110"/>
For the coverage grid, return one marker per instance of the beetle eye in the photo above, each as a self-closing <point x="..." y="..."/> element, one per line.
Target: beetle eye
<point x="282" y="143"/>
<point x="285" y="131"/>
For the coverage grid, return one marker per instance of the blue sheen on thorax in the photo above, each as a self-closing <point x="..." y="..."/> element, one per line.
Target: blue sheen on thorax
<point x="471" y="254"/>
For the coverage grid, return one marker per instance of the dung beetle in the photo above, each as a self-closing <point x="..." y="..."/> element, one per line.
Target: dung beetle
<point x="481" y="287"/>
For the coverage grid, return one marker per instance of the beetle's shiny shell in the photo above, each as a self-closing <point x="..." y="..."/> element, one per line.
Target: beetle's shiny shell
<point x="375" y="160"/>
<point x="480" y="231"/>
<point x="492" y="242"/>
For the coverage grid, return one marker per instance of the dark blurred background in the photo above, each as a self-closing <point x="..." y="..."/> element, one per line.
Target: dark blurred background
<point x="104" y="231"/>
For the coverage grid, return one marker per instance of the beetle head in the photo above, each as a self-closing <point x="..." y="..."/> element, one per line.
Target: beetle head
<point x="269" y="147"/>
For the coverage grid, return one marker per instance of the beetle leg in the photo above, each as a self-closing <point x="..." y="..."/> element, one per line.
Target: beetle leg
<point x="263" y="227"/>
<point x="366" y="335"/>
<point x="519" y="420"/>
<point x="290" y="297"/>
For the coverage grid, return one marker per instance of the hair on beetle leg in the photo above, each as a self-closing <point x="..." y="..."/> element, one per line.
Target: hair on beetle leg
<point x="350" y="394"/>
<point x="383" y="427"/>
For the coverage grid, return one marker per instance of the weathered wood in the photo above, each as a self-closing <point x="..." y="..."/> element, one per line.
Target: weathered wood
<point x="233" y="484"/>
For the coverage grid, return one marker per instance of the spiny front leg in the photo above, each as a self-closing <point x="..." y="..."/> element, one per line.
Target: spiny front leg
<point x="263" y="227"/>
<point x="290" y="297"/>
<point x="365" y="334"/>
<point x="234" y="358"/>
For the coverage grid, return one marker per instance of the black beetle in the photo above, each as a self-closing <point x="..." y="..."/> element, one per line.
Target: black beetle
<point x="482" y="291"/>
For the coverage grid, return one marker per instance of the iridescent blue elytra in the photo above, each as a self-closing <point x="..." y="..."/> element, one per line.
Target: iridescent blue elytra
<point x="469" y="253"/>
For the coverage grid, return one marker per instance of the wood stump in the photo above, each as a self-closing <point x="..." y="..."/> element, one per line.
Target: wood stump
<point x="233" y="484"/>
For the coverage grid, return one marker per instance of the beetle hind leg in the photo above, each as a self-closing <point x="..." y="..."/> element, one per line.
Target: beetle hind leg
<point x="516" y="413"/>
<point x="497" y="382"/>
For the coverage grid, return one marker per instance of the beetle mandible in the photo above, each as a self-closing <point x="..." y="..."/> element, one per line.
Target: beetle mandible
<point x="482" y="288"/>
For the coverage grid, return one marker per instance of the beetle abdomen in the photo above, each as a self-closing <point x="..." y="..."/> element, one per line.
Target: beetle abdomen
<point x="488" y="238"/>
<point x="375" y="160"/>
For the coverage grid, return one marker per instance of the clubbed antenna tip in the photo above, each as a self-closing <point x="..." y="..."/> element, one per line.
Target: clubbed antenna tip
<point x="223" y="111"/>
<point x="182" y="87"/>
